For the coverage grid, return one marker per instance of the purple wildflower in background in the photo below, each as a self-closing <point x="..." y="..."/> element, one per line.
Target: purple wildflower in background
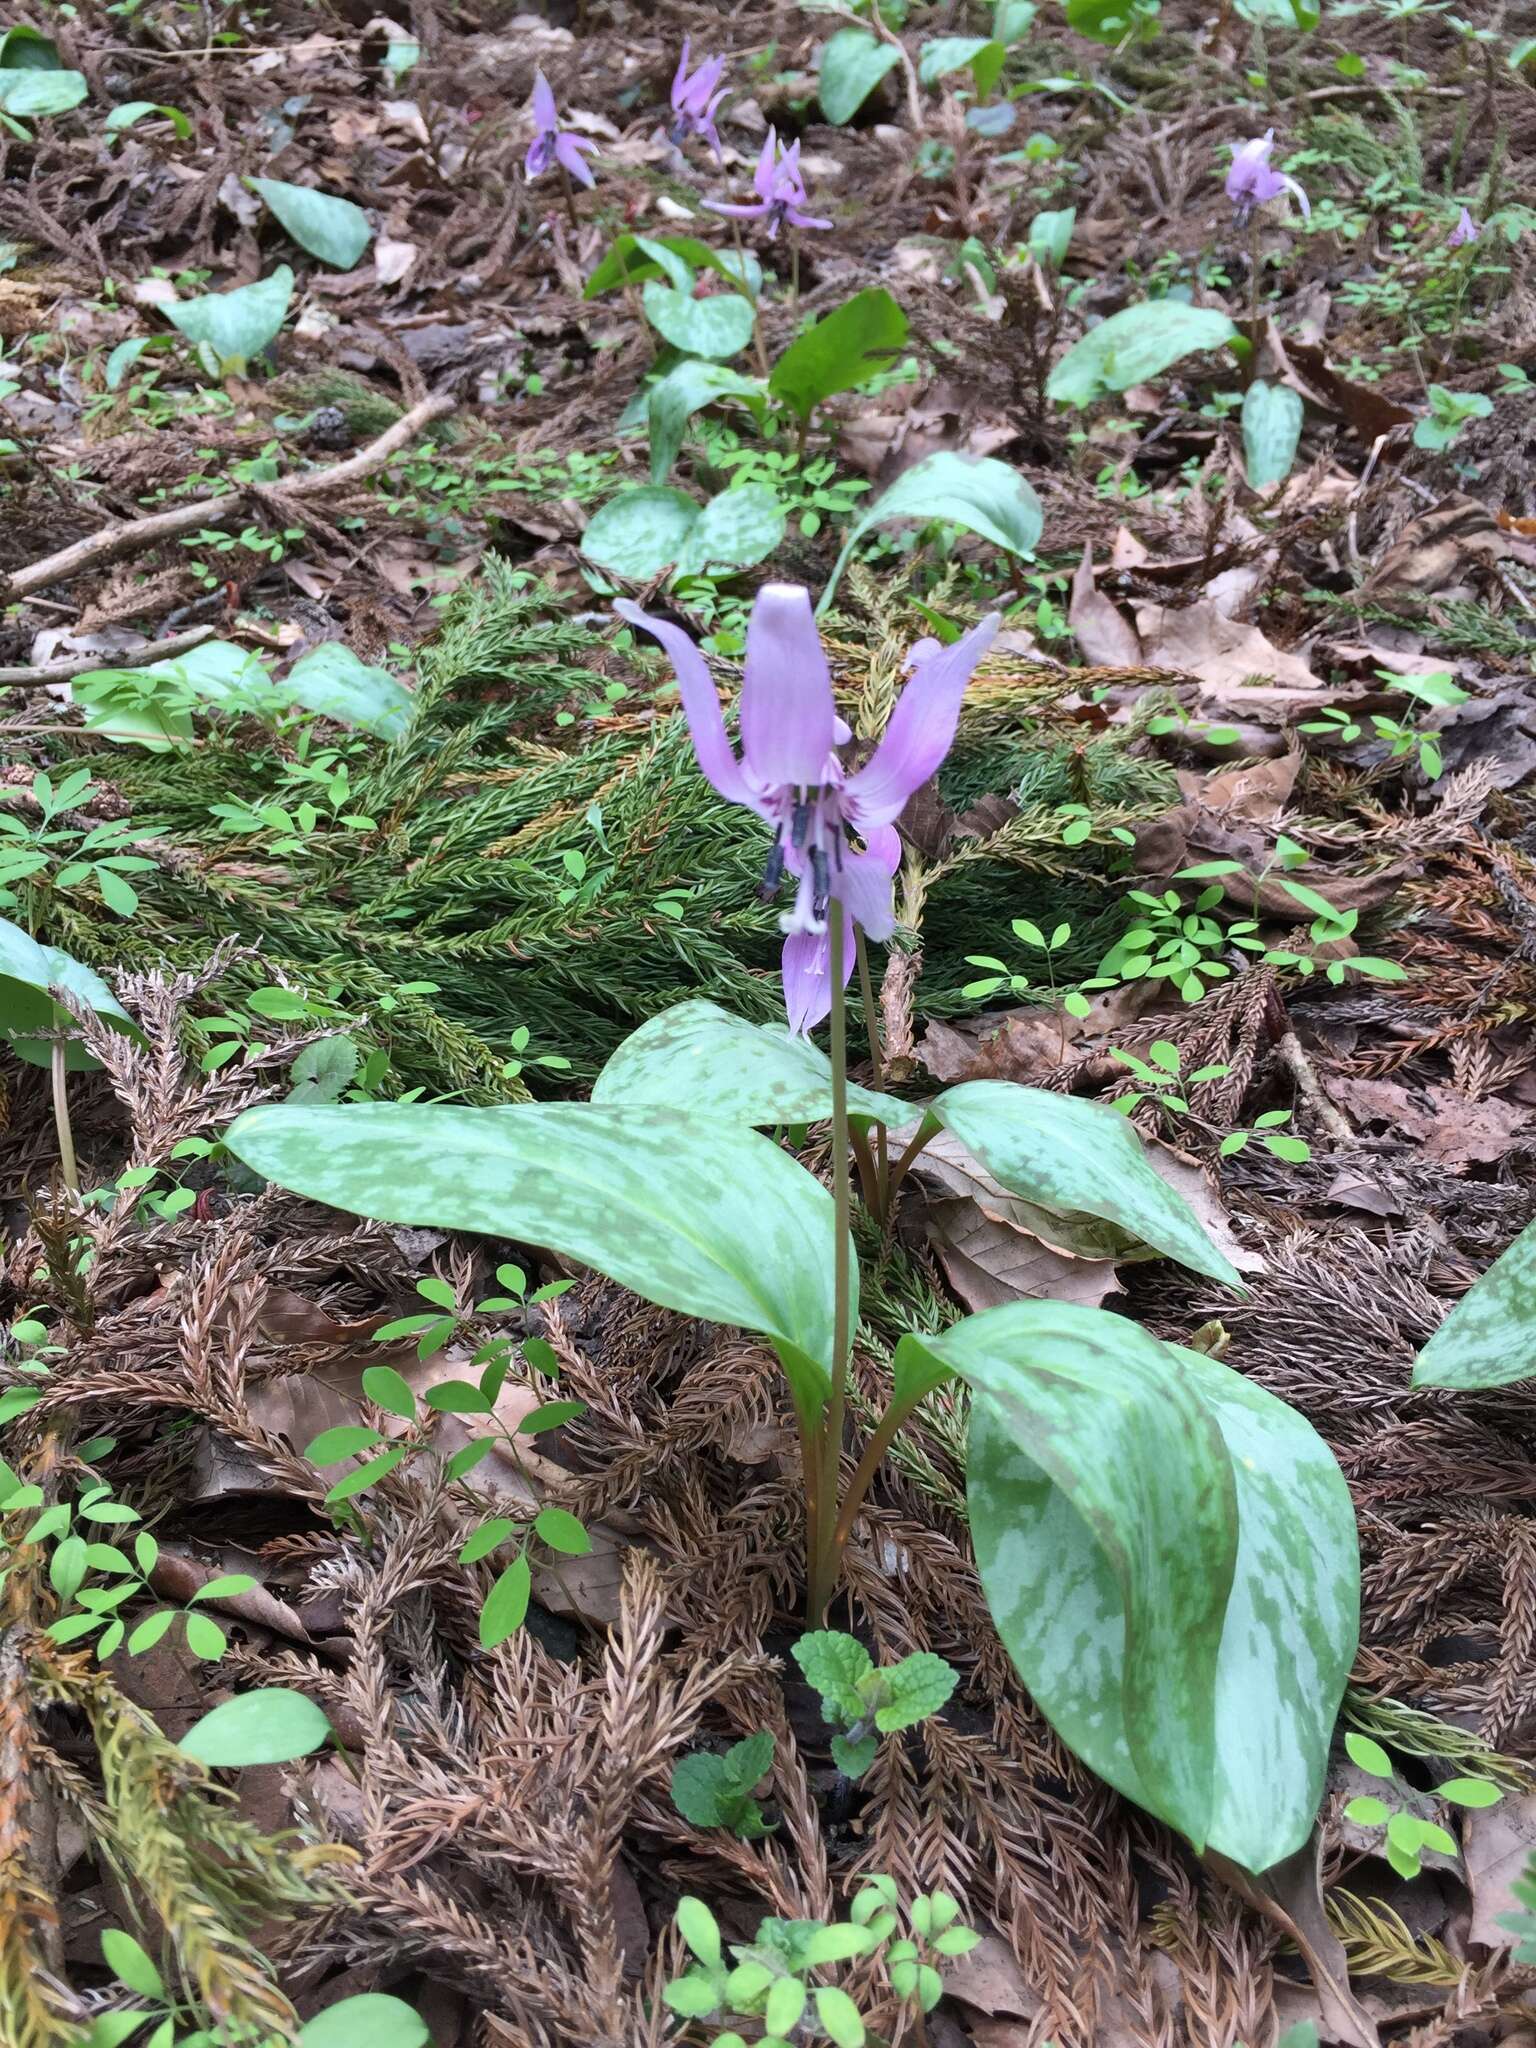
<point x="781" y="193"/>
<point x="695" y="99"/>
<point x="789" y="772"/>
<point x="1252" y="181"/>
<point x="1466" y="230"/>
<point x="552" y="144"/>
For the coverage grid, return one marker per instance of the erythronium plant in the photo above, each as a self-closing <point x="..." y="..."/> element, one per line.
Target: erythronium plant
<point x="1168" y="1551"/>
<point x="695" y="97"/>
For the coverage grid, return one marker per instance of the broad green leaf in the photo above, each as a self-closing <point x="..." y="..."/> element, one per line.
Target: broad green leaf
<point x="839" y="2016"/>
<point x="115" y="701"/>
<point x="1297" y="14"/>
<point x="205" y="1639"/>
<point x="1111" y="21"/>
<point x="371" y="2017"/>
<point x="1470" y="1792"/>
<point x="977" y="492"/>
<point x="344" y="1441"/>
<point x="235" y="325"/>
<point x="714" y="1221"/>
<point x="737" y="527"/>
<point x="27" y="972"/>
<point x="634" y="259"/>
<point x="640" y="532"/>
<point x="915" y="1688"/>
<point x="835" y="1665"/>
<point x="984" y="56"/>
<point x="1489" y="1337"/>
<point x="270" y="1726"/>
<point x="28" y="49"/>
<point x="1272" y="416"/>
<point x="332" y="680"/>
<point x="1050" y="237"/>
<point x="1135" y="346"/>
<point x="698" y="1927"/>
<point x="333" y="229"/>
<point x="685" y="390"/>
<point x="28" y="94"/>
<point x="1368" y="1755"/>
<point x="1073" y="1553"/>
<point x="718" y="326"/>
<point x="853" y="62"/>
<point x="363" y="1476"/>
<point x="845" y="348"/>
<point x="722" y="1066"/>
<point x="132" y="111"/>
<point x="506" y="1604"/>
<point x="1077" y="1157"/>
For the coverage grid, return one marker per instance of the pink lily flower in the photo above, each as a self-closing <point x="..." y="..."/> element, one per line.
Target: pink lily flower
<point x="695" y="99"/>
<point x="551" y="144"/>
<point x="789" y="772"/>
<point x="1253" y="182"/>
<point x="781" y="193"/>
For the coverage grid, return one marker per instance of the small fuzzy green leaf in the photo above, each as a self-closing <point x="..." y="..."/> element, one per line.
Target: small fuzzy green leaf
<point x="915" y="1688"/>
<point x="834" y="1664"/>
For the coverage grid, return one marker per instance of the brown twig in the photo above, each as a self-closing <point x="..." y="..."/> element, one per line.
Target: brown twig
<point x="131" y="537"/>
<point x="86" y="664"/>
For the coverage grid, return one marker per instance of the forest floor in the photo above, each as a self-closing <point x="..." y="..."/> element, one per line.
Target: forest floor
<point x="499" y="858"/>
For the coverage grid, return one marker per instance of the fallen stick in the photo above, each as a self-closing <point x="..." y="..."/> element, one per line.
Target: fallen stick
<point x="131" y="536"/>
<point x="87" y="664"/>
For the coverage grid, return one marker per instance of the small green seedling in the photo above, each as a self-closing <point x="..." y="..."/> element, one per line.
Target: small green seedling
<point x="868" y="1701"/>
<point x="1449" y="414"/>
<point x="716" y="1791"/>
<point x="1408" y="1834"/>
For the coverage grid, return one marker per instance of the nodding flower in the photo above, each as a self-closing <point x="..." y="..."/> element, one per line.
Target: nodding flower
<point x="781" y="193"/>
<point x="1466" y="230"/>
<point x="551" y="144"/>
<point x="1252" y="181"/>
<point x="789" y="772"/>
<point x="695" y="99"/>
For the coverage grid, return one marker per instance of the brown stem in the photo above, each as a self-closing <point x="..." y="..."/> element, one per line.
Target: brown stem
<point x="876" y="1060"/>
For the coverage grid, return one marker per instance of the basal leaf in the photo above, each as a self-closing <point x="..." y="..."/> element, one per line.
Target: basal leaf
<point x="1272" y="417"/>
<point x="853" y="62"/>
<point x="1073" y="1551"/>
<point x="27" y="972"/>
<point x="332" y="680"/>
<point x="1489" y="1337"/>
<point x="238" y="324"/>
<point x="983" y="56"/>
<point x="1134" y="346"/>
<point x="706" y="1218"/>
<point x="1080" y="1157"/>
<point x="977" y="492"/>
<point x="328" y="227"/>
<point x="737" y="527"/>
<point x="686" y="389"/>
<point x="640" y="532"/>
<point x="718" y="326"/>
<point x="843" y="349"/>
<point x="722" y="1066"/>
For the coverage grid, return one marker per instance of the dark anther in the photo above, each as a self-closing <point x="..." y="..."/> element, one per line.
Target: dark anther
<point x="799" y="823"/>
<point x="821" y="890"/>
<point x="773" y="873"/>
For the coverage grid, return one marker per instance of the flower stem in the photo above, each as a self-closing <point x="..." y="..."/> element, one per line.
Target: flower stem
<point x="825" y="1553"/>
<point x="61" y="1118"/>
<point x="570" y="200"/>
<point x="757" y="330"/>
<point x="877" y="1063"/>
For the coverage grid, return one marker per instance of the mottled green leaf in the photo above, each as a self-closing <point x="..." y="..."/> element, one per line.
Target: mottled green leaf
<point x="1272" y="417"/>
<point x="237" y="324"/>
<point x="736" y="528"/>
<point x="1489" y="1337"/>
<point x="718" y="326"/>
<point x="328" y="227"/>
<point x="686" y="389"/>
<point x="640" y="532"/>
<point x="722" y="1066"/>
<point x="709" y="1219"/>
<point x="976" y="492"/>
<point x="1077" y="1157"/>
<point x="1134" y="346"/>
<point x="27" y="972"/>
<point x="1108" y="1478"/>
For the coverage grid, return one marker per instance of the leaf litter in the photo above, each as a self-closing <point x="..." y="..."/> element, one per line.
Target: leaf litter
<point x="416" y="455"/>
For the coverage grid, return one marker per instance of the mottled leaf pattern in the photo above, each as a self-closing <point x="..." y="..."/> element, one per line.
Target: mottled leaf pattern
<point x="1077" y="1156"/>
<point x="709" y="1219"/>
<point x="1061" y="1598"/>
<point x="1489" y="1337"/>
<point x="722" y="1066"/>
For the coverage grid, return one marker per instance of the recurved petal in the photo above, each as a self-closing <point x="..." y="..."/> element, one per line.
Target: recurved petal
<point x="680" y="78"/>
<point x="787" y="716"/>
<point x="921" y="730"/>
<point x="701" y="705"/>
<point x="544" y="113"/>
<point x="568" y="150"/>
